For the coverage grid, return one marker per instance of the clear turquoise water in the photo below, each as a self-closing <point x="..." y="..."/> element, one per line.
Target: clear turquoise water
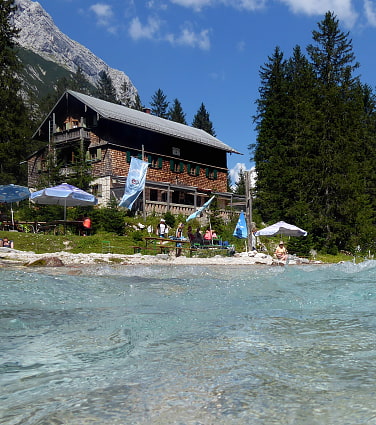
<point x="189" y="345"/>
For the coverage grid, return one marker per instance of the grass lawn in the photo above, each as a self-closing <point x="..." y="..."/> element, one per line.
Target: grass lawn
<point x="41" y="243"/>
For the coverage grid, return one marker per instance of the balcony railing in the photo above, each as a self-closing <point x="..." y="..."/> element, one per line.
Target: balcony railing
<point x="71" y="135"/>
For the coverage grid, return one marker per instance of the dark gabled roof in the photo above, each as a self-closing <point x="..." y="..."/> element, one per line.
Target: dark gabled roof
<point x="122" y="114"/>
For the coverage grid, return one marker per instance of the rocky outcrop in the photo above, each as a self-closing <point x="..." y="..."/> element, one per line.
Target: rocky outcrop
<point x="39" y="34"/>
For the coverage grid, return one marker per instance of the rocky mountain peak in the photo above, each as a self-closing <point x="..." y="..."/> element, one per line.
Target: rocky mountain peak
<point x="39" y="34"/>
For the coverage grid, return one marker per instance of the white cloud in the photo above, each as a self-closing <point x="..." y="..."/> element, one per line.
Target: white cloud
<point x="234" y="173"/>
<point x="104" y="16"/>
<point x="149" y="31"/>
<point x="156" y="5"/>
<point x="193" y="39"/>
<point x="103" y="13"/>
<point x="245" y="4"/>
<point x="370" y="12"/>
<point x="198" y="5"/>
<point x="240" y="47"/>
<point x="343" y="9"/>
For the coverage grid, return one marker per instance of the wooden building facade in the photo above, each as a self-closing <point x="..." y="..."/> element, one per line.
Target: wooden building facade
<point x="187" y="165"/>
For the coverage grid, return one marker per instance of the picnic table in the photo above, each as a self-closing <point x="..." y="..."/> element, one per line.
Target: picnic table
<point x="159" y="245"/>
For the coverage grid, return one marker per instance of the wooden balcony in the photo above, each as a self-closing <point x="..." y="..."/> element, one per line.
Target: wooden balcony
<point x="72" y="135"/>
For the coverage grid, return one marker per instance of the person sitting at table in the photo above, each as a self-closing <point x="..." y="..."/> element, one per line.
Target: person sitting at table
<point x="6" y="243"/>
<point x="198" y="237"/>
<point x="86" y="226"/>
<point x="208" y="236"/>
<point x="190" y="234"/>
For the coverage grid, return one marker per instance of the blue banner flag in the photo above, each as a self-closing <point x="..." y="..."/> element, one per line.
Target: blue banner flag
<point x="200" y="210"/>
<point x="241" y="230"/>
<point x="135" y="182"/>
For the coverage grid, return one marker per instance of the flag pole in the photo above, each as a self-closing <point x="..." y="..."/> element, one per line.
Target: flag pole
<point x="143" y="191"/>
<point x="248" y="207"/>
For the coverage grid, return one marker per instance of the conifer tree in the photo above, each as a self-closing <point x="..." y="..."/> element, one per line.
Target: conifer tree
<point x="105" y="88"/>
<point x="80" y="83"/>
<point x="338" y="179"/>
<point x="14" y="122"/>
<point x="126" y="95"/>
<point x="270" y="151"/>
<point x="240" y="183"/>
<point x="137" y="104"/>
<point x="176" y="113"/>
<point x="315" y="143"/>
<point x="202" y="120"/>
<point x="229" y="182"/>
<point x="159" y="104"/>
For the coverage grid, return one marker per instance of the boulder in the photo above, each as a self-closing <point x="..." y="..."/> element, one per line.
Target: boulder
<point x="46" y="262"/>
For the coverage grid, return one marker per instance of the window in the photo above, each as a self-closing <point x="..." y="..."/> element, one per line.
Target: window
<point x="176" y="151"/>
<point x="193" y="170"/>
<point x="97" y="190"/>
<point x="155" y="162"/>
<point x="211" y="173"/>
<point x="41" y="165"/>
<point x="153" y="194"/>
<point x="94" y="155"/>
<point x="176" y="166"/>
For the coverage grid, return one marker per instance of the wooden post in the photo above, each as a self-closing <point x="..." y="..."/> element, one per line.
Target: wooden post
<point x="143" y="190"/>
<point x="248" y="207"/>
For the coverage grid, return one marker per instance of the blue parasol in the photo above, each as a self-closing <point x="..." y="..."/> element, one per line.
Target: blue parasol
<point x="10" y="193"/>
<point x="64" y="194"/>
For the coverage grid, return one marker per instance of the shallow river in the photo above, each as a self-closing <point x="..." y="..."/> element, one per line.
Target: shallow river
<point x="189" y="345"/>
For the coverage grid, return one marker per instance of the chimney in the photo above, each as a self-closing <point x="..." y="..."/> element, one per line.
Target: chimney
<point x="146" y="110"/>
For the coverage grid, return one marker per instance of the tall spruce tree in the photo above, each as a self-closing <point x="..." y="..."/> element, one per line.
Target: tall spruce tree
<point x="105" y="88"/>
<point x="270" y="152"/>
<point x="338" y="177"/>
<point x="316" y="141"/>
<point x="300" y="134"/>
<point x="126" y="97"/>
<point x="14" y="120"/>
<point x="80" y="83"/>
<point x="176" y="113"/>
<point x="202" y="120"/>
<point x="159" y="104"/>
<point x="240" y="183"/>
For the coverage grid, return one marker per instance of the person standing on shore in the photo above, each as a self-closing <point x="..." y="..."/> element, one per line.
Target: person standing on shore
<point x="162" y="228"/>
<point x="179" y="235"/>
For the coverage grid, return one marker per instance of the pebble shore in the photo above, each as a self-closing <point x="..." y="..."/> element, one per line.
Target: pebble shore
<point x="66" y="258"/>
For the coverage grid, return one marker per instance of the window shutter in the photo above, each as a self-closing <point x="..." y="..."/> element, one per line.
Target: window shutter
<point x="181" y="167"/>
<point x="207" y="172"/>
<point x="189" y="168"/>
<point x="139" y="156"/>
<point x="128" y="157"/>
<point x="160" y="163"/>
<point x="99" y="153"/>
<point x="149" y="159"/>
<point x="215" y="174"/>
<point x="197" y="170"/>
<point x="172" y="164"/>
<point x="87" y="156"/>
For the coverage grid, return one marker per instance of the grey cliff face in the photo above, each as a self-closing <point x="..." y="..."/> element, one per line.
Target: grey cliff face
<point x="39" y="34"/>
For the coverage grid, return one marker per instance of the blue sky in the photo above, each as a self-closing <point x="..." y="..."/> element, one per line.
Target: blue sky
<point x="209" y="51"/>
